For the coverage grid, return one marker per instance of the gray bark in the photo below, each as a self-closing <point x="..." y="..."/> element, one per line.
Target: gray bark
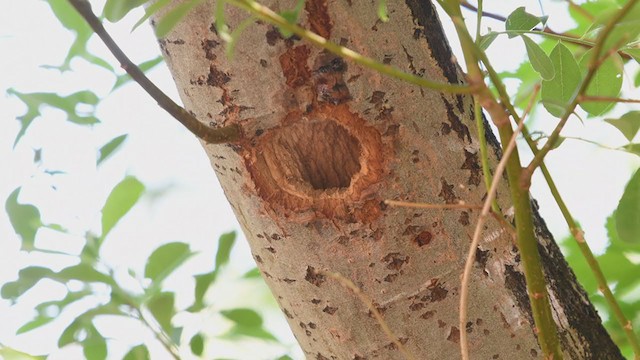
<point x="326" y="143"/>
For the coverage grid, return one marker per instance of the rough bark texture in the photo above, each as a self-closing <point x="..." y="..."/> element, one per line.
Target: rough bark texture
<point x="326" y="142"/>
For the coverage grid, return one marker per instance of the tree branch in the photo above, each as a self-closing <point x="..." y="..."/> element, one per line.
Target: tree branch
<point x="210" y="135"/>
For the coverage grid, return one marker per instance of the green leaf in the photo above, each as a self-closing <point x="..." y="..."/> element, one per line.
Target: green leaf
<point x="486" y="40"/>
<point x="225" y="244"/>
<point x="519" y="19"/>
<point x="71" y="20"/>
<point x="255" y="332"/>
<point x="628" y="124"/>
<point x="8" y="353"/>
<point x="165" y="259"/>
<point x="634" y="53"/>
<point x="145" y="66"/>
<point x="243" y="316"/>
<point x="252" y="274"/>
<point x="558" y="92"/>
<point x="83" y="272"/>
<point x="197" y="344"/>
<point x="383" y="13"/>
<point x="625" y="31"/>
<point x="120" y="201"/>
<point x="114" y="10"/>
<point x="539" y="59"/>
<point x="173" y="17"/>
<point x="161" y="307"/>
<point x="94" y="347"/>
<point x="139" y="352"/>
<point x="37" y="322"/>
<point x="632" y="148"/>
<point x="150" y="10"/>
<point x="49" y="310"/>
<point x="627" y="215"/>
<point x="25" y="220"/>
<point x="27" y="278"/>
<point x="285" y="357"/>
<point x="68" y="104"/>
<point x="606" y="82"/>
<point x="107" y="149"/>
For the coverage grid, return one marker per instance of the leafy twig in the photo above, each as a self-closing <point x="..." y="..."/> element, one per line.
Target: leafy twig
<point x="210" y="135"/>
<point x="270" y="16"/>
<point x="594" y="63"/>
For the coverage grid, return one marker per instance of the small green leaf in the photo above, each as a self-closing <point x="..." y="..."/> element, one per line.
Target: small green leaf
<point x="252" y="274"/>
<point x="165" y="259"/>
<point x="285" y="357"/>
<point x="114" y="10"/>
<point x="628" y="124"/>
<point x="519" y="19"/>
<point x="383" y="13"/>
<point x="8" y="353"/>
<point x="627" y="215"/>
<point x="225" y="244"/>
<point x="145" y="66"/>
<point x="486" y="40"/>
<point x="197" y="344"/>
<point x="25" y="220"/>
<point x="150" y="10"/>
<point x="139" y="352"/>
<point x="161" y="307"/>
<point x="83" y="272"/>
<point x="244" y="317"/>
<point x="68" y="104"/>
<point x="37" y="322"/>
<point x="94" y="347"/>
<point x="122" y="198"/>
<point x="173" y="17"/>
<point x="255" y="332"/>
<point x="107" y="149"/>
<point x="203" y="282"/>
<point x="558" y="92"/>
<point x="606" y="82"/>
<point x="27" y="278"/>
<point x="539" y="59"/>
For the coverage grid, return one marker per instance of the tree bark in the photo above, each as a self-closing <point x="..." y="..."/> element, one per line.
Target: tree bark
<point x="326" y="142"/>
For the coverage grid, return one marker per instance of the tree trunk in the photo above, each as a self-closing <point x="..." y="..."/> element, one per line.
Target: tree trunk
<point x="326" y="143"/>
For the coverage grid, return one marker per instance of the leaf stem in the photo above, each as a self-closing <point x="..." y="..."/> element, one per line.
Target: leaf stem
<point x="208" y="134"/>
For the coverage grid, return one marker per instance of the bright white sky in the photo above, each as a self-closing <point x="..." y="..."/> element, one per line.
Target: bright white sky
<point x="165" y="157"/>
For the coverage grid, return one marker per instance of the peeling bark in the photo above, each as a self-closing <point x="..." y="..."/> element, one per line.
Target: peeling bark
<point x="328" y="142"/>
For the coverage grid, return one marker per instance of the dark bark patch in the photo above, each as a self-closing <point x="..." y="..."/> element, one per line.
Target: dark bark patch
<point x="314" y="277"/>
<point x="358" y="357"/>
<point x="319" y="356"/>
<point x="456" y="124"/>
<point x="328" y="79"/>
<point x="395" y="261"/>
<point x="315" y="301"/>
<point x="377" y="98"/>
<point x="318" y="17"/>
<point x="481" y="257"/>
<point x="330" y="309"/>
<point x="426" y="18"/>
<point x="273" y="35"/>
<point x="258" y="259"/>
<point x="416" y="306"/>
<point x="271" y="250"/>
<point x="446" y="192"/>
<point x="464" y="218"/>
<point x="436" y="292"/>
<point x="472" y="164"/>
<point x="441" y="323"/>
<point x="515" y="281"/>
<point x="287" y="313"/>
<point x="428" y="315"/>
<point x="390" y="278"/>
<point x="424" y="238"/>
<point x="454" y="335"/>
<point x="217" y="77"/>
<point x="263" y="63"/>
<point x="209" y="46"/>
<point x="294" y="65"/>
<point x="288" y="281"/>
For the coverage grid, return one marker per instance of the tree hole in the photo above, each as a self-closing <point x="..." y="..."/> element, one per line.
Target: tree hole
<point x="321" y="154"/>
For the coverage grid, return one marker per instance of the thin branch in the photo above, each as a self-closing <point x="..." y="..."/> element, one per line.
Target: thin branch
<point x="372" y="308"/>
<point x="415" y="205"/>
<point x="594" y="63"/>
<point x="591" y="98"/>
<point x="486" y="208"/>
<point x="270" y="16"/>
<point x="210" y="135"/>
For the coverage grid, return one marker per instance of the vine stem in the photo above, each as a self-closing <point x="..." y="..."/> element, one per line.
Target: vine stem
<point x="486" y="209"/>
<point x="372" y="308"/>
<point x="221" y="135"/>
<point x="262" y="12"/>
<point x="594" y="63"/>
